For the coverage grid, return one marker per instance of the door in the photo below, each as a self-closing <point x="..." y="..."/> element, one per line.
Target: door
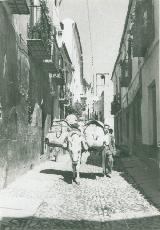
<point x="154" y="114"/>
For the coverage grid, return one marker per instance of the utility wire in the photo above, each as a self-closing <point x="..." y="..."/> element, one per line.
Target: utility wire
<point x="90" y="36"/>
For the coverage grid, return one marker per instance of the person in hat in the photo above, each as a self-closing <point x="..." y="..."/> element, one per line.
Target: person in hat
<point x="107" y="153"/>
<point x="72" y="120"/>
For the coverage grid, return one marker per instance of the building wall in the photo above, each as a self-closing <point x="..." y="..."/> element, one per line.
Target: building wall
<point x="26" y="106"/>
<point x="67" y="66"/>
<point x="150" y="73"/>
<point x="99" y="108"/>
<point x="89" y="103"/>
<point x="108" y="96"/>
<point x="20" y="143"/>
<point x="72" y="41"/>
<point x="135" y="124"/>
<point x="77" y="87"/>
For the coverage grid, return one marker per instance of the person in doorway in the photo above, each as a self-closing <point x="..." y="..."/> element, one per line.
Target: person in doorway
<point x="107" y="153"/>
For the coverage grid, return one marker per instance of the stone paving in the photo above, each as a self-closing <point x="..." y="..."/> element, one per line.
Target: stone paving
<point x="147" y="178"/>
<point x="47" y="199"/>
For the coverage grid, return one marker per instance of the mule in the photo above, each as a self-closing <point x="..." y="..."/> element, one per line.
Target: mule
<point x="75" y="151"/>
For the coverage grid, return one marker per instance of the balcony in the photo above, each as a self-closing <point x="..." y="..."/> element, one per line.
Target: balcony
<point x="17" y="6"/>
<point x="63" y="97"/>
<point x="63" y="101"/>
<point x="39" y="42"/>
<point x="60" y="33"/>
<point x="125" y="72"/>
<point x="52" y="65"/>
<point x="115" y="105"/>
<point x="83" y="98"/>
<point x="59" y="78"/>
<point x="124" y="81"/>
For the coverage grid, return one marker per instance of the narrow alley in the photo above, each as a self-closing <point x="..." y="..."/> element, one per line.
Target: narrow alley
<point x="79" y="115"/>
<point x="45" y="198"/>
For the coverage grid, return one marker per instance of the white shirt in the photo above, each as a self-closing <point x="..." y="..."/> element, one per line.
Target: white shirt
<point x="106" y="139"/>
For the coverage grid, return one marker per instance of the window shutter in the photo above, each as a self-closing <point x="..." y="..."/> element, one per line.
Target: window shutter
<point x="143" y="28"/>
<point x="149" y="21"/>
<point x="138" y="31"/>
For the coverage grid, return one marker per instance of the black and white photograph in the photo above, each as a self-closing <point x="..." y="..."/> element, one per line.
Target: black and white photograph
<point x="79" y="115"/>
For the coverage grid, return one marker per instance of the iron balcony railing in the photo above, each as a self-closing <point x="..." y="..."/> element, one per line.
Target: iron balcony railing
<point x="125" y="73"/>
<point x="63" y="99"/>
<point x="52" y="65"/>
<point x="40" y="32"/>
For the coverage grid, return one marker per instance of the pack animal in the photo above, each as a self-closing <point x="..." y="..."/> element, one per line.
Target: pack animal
<point x="75" y="151"/>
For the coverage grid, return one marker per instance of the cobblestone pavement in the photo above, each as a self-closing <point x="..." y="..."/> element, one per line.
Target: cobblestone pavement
<point x="98" y="203"/>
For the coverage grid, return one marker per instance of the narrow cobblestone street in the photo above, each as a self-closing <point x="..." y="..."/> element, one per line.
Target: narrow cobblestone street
<point x="45" y="198"/>
<point x="78" y="76"/>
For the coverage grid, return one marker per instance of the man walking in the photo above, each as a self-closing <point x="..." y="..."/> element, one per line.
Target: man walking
<point x="112" y="139"/>
<point x="107" y="153"/>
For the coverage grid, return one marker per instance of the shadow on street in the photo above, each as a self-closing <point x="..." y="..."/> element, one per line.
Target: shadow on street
<point x="145" y="223"/>
<point x="96" y="160"/>
<point x="67" y="175"/>
<point x="41" y="222"/>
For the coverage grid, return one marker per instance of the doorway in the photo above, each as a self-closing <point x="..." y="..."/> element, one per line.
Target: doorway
<point x="153" y="113"/>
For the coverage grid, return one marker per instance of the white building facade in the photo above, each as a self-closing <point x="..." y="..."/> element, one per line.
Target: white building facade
<point x="136" y="104"/>
<point x="108" y="97"/>
<point x="72" y="41"/>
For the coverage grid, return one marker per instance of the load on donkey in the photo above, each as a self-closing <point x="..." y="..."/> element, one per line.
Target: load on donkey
<point x="67" y="135"/>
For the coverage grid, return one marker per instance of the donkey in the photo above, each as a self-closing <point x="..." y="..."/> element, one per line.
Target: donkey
<point x="75" y="150"/>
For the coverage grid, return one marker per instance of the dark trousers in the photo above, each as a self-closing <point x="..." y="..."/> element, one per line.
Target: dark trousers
<point x="107" y="160"/>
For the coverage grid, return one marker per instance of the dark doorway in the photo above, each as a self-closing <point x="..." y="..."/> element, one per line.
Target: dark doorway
<point x="154" y="113"/>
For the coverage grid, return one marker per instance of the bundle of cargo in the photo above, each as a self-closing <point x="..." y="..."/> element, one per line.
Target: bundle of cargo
<point x="57" y="135"/>
<point x="72" y="121"/>
<point x="94" y="134"/>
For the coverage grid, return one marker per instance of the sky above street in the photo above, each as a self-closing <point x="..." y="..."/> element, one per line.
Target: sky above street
<point x="107" y="18"/>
